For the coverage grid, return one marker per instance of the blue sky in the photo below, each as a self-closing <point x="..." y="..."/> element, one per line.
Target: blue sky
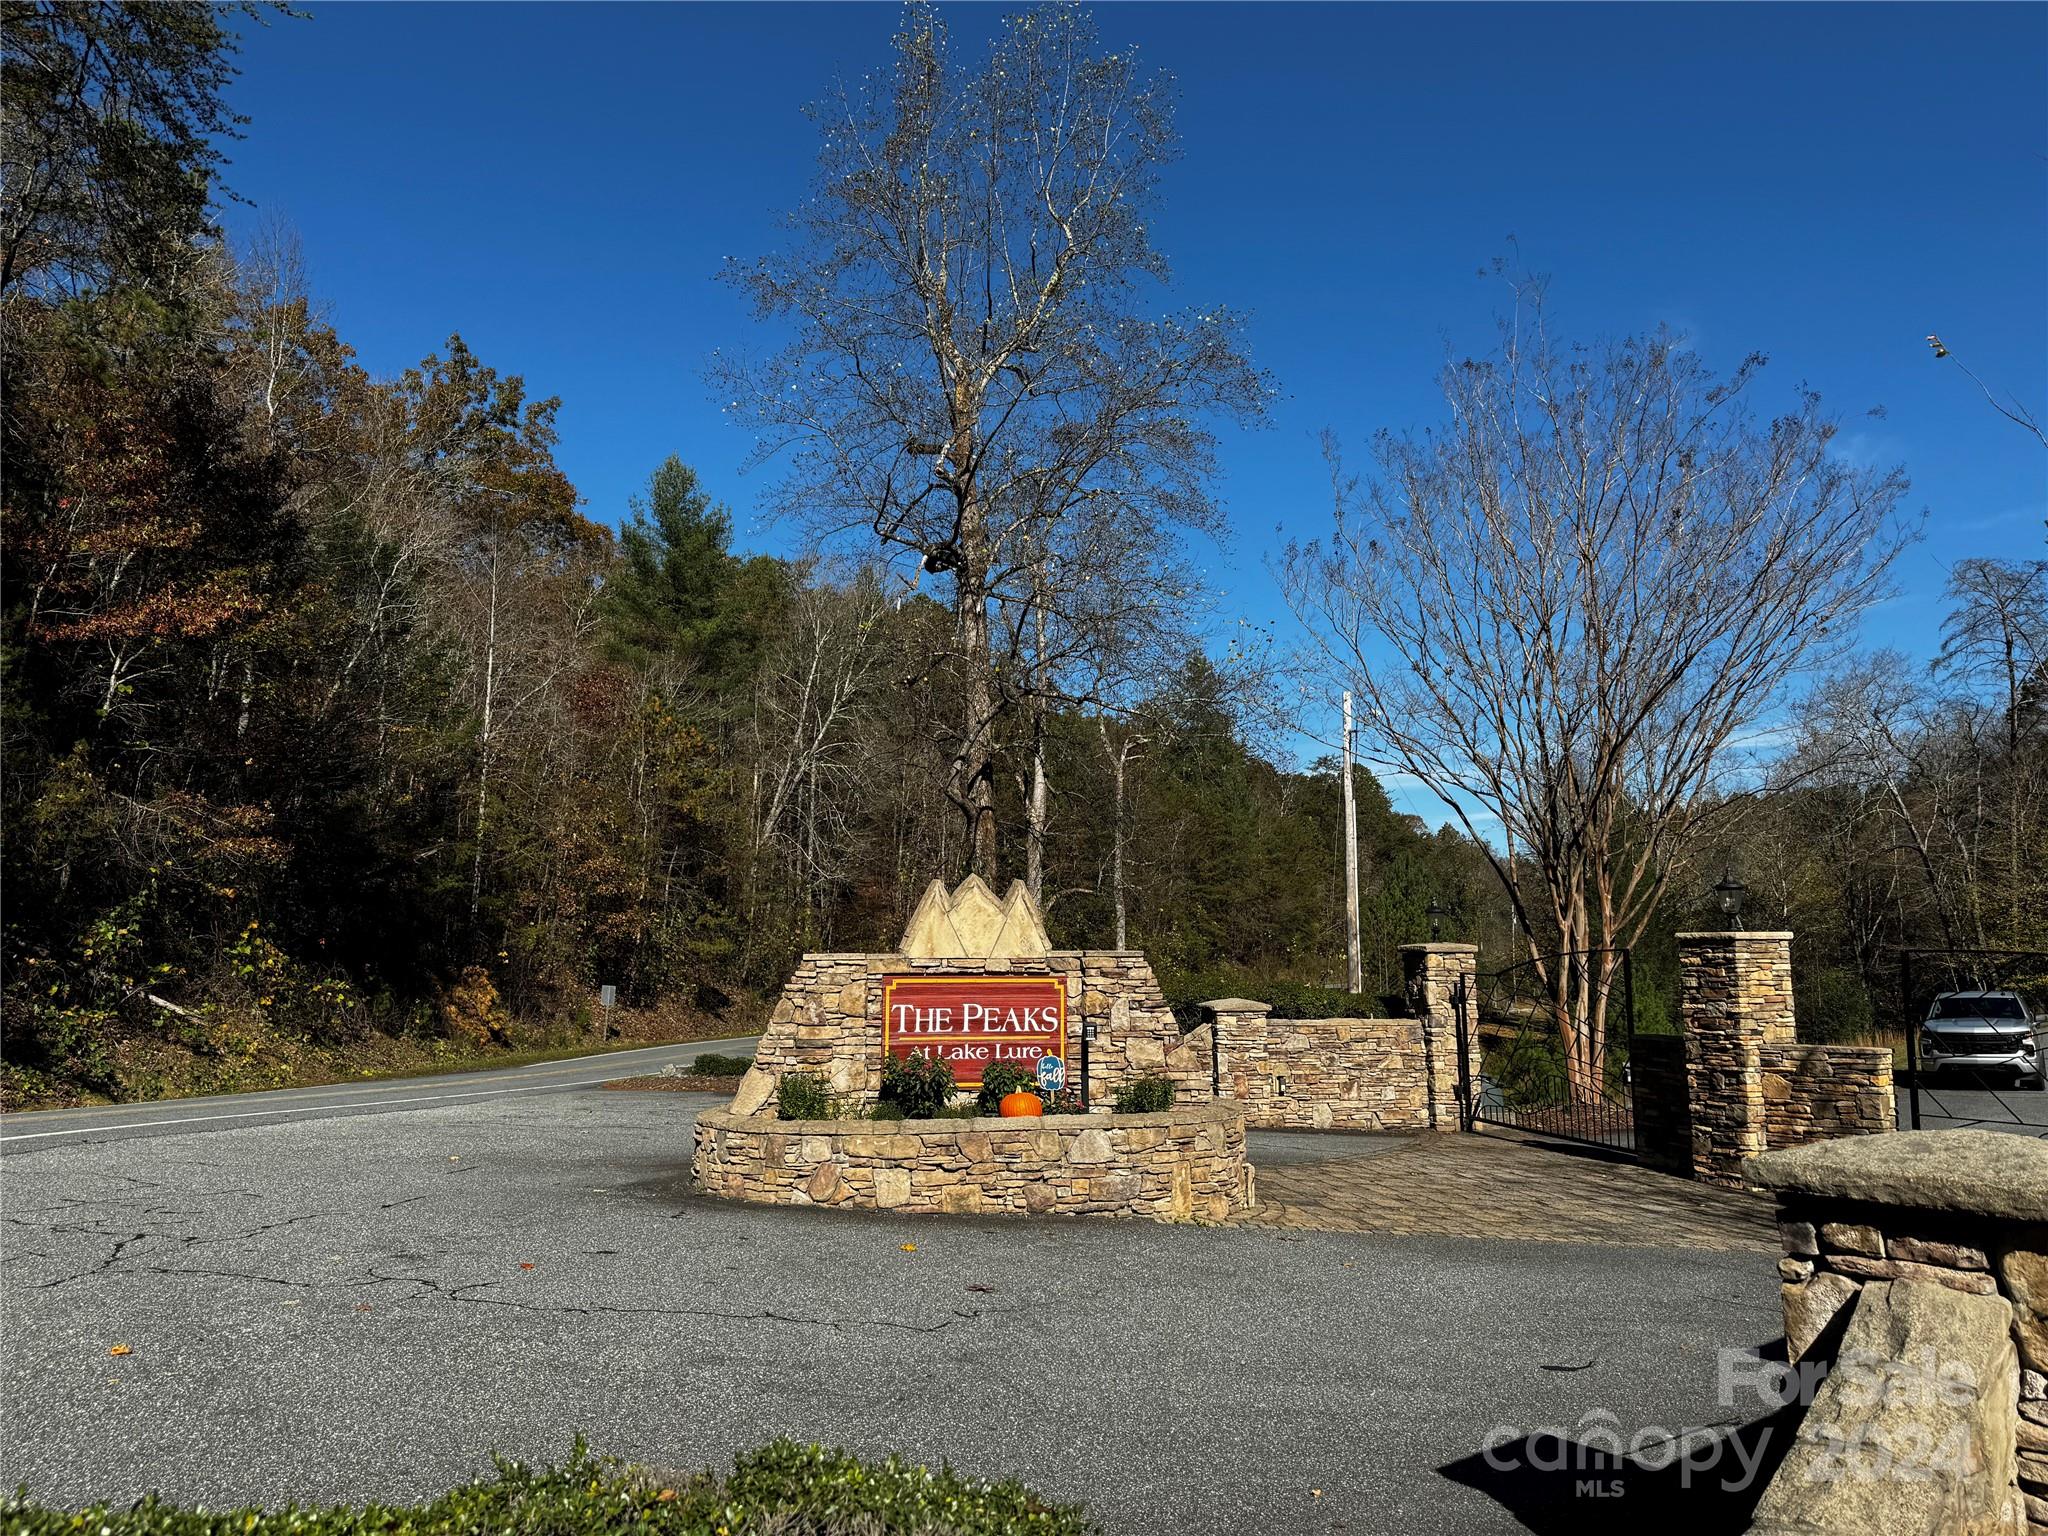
<point x="1826" y="184"/>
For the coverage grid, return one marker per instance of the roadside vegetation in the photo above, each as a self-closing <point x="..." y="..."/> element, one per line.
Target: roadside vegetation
<point x="342" y="735"/>
<point x="783" y="1489"/>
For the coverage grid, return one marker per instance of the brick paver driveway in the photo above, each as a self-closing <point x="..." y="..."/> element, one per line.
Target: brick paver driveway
<point x="1493" y="1184"/>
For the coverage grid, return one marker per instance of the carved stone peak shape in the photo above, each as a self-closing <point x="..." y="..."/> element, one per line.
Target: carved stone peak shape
<point x="971" y="924"/>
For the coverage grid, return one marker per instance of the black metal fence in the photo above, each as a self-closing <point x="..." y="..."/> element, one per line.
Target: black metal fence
<point x="1977" y="1076"/>
<point x="1544" y="1046"/>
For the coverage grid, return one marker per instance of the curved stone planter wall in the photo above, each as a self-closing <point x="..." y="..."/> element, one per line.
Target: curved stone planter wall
<point x="1186" y="1164"/>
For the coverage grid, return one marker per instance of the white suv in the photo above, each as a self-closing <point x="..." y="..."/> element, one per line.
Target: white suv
<point x="1985" y="1034"/>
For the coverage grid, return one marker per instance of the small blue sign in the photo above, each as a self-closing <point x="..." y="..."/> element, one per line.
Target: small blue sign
<point x="1052" y="1073"/>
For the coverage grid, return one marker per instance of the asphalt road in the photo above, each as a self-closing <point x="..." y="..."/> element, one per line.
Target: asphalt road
<point x="338" y="1304"/>
<point x="1952" y="1105"/>
<point x="219" y="1112"/>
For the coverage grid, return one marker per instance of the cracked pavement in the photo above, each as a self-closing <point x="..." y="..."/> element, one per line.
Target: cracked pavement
<point x="367" y="1305"/>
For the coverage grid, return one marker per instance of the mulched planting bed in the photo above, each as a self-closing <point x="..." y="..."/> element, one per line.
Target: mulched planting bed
<point x="656" y="1083"/>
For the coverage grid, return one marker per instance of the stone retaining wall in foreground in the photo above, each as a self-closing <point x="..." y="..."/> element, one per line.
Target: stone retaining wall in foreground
<point x="1944" y="1229"/>
<point x="1186" y="1164"/>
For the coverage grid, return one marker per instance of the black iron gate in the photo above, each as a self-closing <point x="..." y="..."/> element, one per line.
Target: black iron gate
<point x="1965" y="1013"/>
<point x="1544" y="1046"/>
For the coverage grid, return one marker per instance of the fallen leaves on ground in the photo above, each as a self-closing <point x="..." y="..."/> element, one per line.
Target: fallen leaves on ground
<point x="910" y="1247"/>
<point x="120" y="1349"/>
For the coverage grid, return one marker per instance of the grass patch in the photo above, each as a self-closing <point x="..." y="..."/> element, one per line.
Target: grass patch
<point x="783" y="1488"/>
<point x="379" y="1058"/>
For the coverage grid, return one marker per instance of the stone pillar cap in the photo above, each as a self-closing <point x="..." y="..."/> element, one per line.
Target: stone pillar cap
<point x="1235" y="1005"/>
<point x="1738" y="933"/>
<point x="1982" y="1173"/>
<point x="1440" y="948"/>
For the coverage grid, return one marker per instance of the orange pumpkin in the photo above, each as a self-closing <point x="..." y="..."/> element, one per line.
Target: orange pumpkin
<point x="1015" y="1104"/>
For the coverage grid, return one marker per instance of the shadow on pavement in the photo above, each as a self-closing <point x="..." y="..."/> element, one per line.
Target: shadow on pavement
<point x="1705" y="1483"/>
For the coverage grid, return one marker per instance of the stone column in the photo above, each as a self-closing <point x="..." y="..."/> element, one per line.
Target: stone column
<point x="1734" y="998"/>
<point x="1238" y="1036"/>
<point x="1436" y="976"/>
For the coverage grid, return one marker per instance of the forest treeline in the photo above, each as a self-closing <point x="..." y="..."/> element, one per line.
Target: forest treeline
<point x="333" y="715"/>
<point x="333" y="712"/>
<point x="330" y="711"/>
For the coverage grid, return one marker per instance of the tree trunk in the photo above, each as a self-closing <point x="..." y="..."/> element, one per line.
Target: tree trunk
<point x="1035" y="809"/>
<point x="483" y="768"/>
<point x="973" y="787"/>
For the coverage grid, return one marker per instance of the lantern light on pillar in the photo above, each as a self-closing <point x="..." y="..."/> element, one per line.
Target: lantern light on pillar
<point x="1728" y="894"/>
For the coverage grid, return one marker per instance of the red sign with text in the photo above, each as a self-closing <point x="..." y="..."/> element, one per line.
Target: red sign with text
<point x="973" y="1022"/>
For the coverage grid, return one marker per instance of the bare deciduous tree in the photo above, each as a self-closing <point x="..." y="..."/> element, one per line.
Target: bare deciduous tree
<point x="1996" y="641"/>
<point x="809" y="768"/>
<point x="1564" y="609"/>
<point x="972" y="362"/>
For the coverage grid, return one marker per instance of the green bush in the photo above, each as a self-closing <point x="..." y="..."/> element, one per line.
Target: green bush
<point x="711" y="1064"/>
<point x="1528" y="1072"/>
<point x="782" y="1487"/>
<point x="918" y="1084"/>
<point x="1653" y="1011"/>
<point x="1186" y="991"/>
<point x="1838" y="1009"/>
<point x="1145" y="1096"/>
<point x="886" y="1112"/>
<point x="802" y="1096"/>
<point x="1004" y="1077"/>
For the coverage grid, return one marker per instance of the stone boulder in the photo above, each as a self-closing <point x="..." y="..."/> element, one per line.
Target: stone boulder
<point x="756" y="1088"/>
<point x="1912" y="1432"/>
<point x="1985" y="1172"/>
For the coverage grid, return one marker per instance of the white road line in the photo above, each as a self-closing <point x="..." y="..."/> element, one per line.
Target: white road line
<point x="305" y="1109"/>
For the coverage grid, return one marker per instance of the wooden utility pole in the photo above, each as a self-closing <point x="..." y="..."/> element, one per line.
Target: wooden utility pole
<point x="1352" y="951"/>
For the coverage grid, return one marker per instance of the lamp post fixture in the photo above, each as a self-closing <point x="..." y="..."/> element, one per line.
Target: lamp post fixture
<point x="1728" y="894"/>
<point x="1437" y="913"/>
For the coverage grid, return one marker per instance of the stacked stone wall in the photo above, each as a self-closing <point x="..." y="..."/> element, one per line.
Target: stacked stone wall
<point x="1137" y="1034"/>
<point x="1322" y="1074"/>
<point x="1443" y="995"/>
<point x="1962" y="1212"/>
<point x="828" y="1020"/>
<point x="1735" y="996"/>
<point x="1813" y="1092"/>
<point x="1187" y="1164"/>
